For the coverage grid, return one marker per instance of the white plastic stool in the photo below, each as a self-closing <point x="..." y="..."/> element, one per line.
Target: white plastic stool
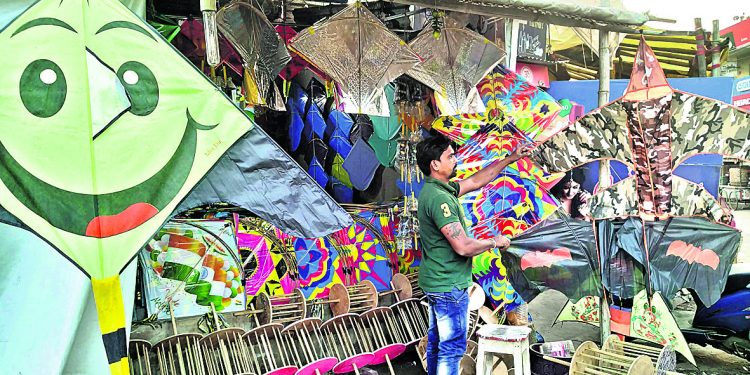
<point x="500" y="339"/>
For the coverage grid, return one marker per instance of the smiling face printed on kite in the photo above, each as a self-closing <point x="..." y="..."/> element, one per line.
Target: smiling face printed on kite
<point x="103" y="126"/>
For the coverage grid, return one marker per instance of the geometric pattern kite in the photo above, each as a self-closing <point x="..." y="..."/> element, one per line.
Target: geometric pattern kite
<point x="359" y="52"/>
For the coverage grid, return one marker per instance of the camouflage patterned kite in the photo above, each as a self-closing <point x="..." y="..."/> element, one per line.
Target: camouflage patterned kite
<point x="667" y="226"/>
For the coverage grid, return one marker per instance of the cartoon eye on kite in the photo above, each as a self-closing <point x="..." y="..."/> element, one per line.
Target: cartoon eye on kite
<point x="43" y="88"/>
<point x="140" y="84"/>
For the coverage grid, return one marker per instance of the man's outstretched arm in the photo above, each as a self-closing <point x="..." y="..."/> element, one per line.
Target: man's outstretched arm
<point x="483" y="177"/>
<point x="467" y="246"/>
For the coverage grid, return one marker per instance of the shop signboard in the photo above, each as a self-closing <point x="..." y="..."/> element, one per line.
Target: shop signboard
<point x="740" y="33"/>
<point x="536" y="74"/>
<point x="532" y="42"/>
<point x="741" y="93"/>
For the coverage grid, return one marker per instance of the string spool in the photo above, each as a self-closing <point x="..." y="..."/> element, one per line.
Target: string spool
<point x="362" y="297"/>
<point x="473" y="322"/>
<point x="311" y="355"/>
<point x="139" y="355"/>
<point x="268" y="352"/>
<point x="352" y="299"/>
<point x="400" y="288"/>
<point x="589" y="360"/>
<point x="180" y="353"/>
<point x="345" y="336"/>
<point x="383" y="338"/>
<point x="417" y="292"/>
<point x="411" y="317"/>
<point x="476" y="297"/>
<point x="282" y="309"/>
<point x="665" y="357"/>
<point x="224" y="352"/>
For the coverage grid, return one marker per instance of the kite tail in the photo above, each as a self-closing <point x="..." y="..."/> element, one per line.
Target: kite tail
<point x="111" y="311"/>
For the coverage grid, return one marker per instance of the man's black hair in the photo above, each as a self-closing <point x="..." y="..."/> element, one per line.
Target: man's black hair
<point x="430" y="149"/>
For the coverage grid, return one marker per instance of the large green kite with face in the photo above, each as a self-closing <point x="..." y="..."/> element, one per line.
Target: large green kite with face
<point x="104" y="129"/>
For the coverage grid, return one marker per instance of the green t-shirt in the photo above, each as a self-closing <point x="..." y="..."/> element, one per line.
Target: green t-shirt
<point x="441" y="268"/>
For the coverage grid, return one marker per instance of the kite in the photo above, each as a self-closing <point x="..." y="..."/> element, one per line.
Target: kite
<point x="263" y="52"/>
<point x="455" y="60"/>
<point x="185" y="262"/>
<point x="652" y="129"/>
<point x="297" y="64"/>
<point x="77" y="119"/>
<point x="191" y="41"/>
<point x="359" y="53"/>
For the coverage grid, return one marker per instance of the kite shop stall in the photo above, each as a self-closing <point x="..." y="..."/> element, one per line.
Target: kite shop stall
<point x="275" y="232"/>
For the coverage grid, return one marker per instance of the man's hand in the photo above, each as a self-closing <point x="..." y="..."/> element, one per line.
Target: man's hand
<point x="521" y="152"/>
<point x="502" y="242"/>
<point x="484" y="176"/>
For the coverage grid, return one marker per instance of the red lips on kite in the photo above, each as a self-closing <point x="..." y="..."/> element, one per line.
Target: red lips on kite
<point x="694" y="254"/>
<point x="536" y="259"/>
<point x="132" y="217"/>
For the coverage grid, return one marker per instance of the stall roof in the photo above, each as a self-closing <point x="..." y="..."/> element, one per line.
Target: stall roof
<point x="558" y="12"/>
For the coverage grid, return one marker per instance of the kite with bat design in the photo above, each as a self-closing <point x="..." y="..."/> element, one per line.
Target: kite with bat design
<point x="549" y="258"/>
<point x="694" y="254"/>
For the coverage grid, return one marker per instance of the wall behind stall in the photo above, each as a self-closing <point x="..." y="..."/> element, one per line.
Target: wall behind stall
<point x="701" y="169"/>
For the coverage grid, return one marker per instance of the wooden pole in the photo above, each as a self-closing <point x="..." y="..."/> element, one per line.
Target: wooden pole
<point x="604" y="177"/>
<point x="715" y="51"/>
<point x="604" y="67"/>
<point x="511" y="42"/>
<point x="700" y="41"/>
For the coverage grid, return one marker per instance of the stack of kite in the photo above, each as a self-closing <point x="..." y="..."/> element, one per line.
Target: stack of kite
<point x="517" y="113"/>
<point x="664" y="227"/>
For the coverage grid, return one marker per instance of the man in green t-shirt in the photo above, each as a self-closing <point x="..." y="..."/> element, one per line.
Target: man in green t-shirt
<point x="445" y="269"/>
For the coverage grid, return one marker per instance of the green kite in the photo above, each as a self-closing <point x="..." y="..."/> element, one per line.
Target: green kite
<point x="104" y="129"/>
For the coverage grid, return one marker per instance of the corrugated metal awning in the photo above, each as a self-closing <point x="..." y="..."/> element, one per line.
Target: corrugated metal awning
<point x="559" y="12"/>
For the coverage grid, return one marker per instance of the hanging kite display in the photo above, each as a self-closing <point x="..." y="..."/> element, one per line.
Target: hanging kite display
<point x="263" y="52"/>
<point x="455" y="60"/>
<point x="673" y="238"/>
<point x="359" y="53"/>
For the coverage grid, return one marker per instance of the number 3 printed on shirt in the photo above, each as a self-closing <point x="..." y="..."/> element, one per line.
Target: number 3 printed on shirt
<point x="446" y="210"/>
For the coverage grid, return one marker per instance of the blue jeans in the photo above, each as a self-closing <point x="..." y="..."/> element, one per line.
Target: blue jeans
<point x="449" y="325"/>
